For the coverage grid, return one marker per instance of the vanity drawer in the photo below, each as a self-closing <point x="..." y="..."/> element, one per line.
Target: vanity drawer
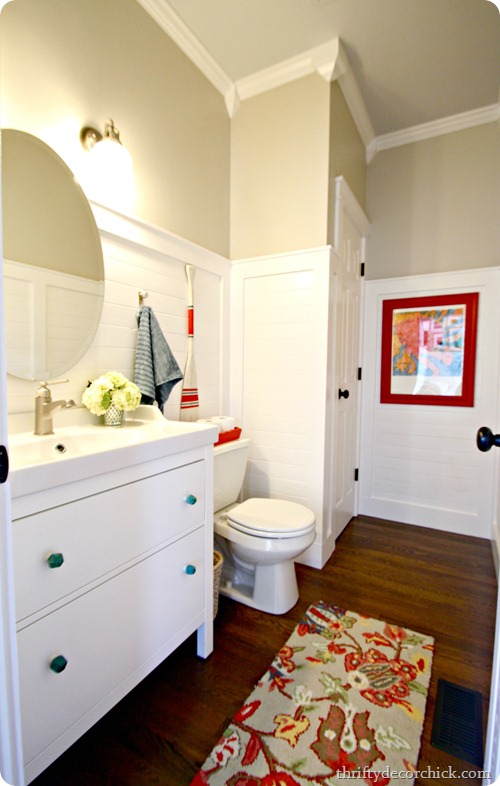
<point x="111" y="638"/>
<point x="100" y="533"/>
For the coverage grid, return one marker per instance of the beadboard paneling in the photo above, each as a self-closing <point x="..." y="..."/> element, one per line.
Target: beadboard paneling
<point x="420" y="464"/>
<point x="279" y="308"/>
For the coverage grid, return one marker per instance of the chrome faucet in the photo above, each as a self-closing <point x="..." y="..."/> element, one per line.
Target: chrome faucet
<point x="45" y="407"/>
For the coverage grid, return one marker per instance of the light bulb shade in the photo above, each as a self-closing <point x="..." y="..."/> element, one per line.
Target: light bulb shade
<point x="109" y="178"/>
<point x="112" y="155"/>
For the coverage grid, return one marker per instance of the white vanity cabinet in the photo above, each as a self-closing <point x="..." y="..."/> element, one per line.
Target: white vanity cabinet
<point x="108" y="582"/>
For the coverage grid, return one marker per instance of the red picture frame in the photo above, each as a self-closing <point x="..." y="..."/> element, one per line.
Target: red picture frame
<point x="429" y="350"/>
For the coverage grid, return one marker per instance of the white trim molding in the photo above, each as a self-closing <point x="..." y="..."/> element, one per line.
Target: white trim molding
<point x="354" y="99"/>
<point x="171" y="23"/>
<point x="446" y="125"/>
<point x="134" y="232"/>
<point x="329" y="60"/>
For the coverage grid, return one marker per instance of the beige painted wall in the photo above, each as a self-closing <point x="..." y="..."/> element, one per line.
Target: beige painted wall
<point x="69" y="64"/>
<point x="279" y="169"/>
<point x="433" y="205"/>
<point x="287" y="148"/>
<point x="255" y="185"/>
<point x="347" y="153"/>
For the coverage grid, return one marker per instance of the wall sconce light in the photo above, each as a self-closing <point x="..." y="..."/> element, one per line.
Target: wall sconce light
<point x="89" y="136"/>
<point x="110" y="179"/>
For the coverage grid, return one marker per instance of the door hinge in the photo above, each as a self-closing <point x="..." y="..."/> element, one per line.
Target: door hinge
<point x="356" y="474"/>
<point x="359" y="374"/>
<point x="362" y="269"/>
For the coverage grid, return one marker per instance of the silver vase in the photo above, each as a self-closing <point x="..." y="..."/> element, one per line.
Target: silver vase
<point x="113" y="416"/>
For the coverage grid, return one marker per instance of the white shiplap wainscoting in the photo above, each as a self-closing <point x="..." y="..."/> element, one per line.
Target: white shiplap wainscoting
<point x="280" y="371"/>
<point x="138" y="256"/>
<point x="420" y="464"/>
<point x="294" y="343"/>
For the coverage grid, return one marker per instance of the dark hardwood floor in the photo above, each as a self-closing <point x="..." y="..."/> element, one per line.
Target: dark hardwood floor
<point x="432" y="582"/>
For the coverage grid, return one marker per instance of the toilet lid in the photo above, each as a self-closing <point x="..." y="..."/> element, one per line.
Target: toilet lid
<point x="271" y="518"/>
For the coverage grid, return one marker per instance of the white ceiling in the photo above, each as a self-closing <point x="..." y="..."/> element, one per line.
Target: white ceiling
<point x="414" y="61"/>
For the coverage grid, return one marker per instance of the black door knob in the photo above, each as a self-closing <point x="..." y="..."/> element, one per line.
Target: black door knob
<point x="343" y="393"/>
<point x="4" y="464"/>
<point x="485" y="439"/>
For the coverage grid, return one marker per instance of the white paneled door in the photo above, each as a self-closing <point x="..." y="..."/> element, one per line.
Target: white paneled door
<point x="350" y="234"/>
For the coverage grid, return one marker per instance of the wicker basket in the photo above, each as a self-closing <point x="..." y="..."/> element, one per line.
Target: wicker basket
<point x="218" y="560"/>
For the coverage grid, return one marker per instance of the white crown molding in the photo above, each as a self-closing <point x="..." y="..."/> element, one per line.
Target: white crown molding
<point x="324" y="59"/>
<point x="180" y="33"/>
<point x="329" y="60"/>
<point x="354" y="99"/>
<point x="446" y="125"/>
<point x="232" y="99"/>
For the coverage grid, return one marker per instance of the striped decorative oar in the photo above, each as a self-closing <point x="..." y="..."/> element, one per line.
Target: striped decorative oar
<point x="189" y="395"/>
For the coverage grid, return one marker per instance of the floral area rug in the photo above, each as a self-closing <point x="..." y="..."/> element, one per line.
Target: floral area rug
<point x="343" y="702"/>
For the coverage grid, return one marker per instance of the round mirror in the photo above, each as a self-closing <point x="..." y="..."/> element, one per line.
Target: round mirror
<point x="53" y="265"/>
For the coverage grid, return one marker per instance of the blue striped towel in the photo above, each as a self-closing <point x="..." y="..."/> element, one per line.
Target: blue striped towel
<point x="156" y="369"/>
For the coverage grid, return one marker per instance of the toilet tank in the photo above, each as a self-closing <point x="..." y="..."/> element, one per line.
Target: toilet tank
<point x="230" y="461"/>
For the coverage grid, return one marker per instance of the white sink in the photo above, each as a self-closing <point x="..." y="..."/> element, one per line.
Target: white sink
<point x="25" y="450"/>
<point x="83" y="450"/>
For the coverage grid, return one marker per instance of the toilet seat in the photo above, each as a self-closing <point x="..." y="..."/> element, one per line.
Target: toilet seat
<point x="271" y="518"/>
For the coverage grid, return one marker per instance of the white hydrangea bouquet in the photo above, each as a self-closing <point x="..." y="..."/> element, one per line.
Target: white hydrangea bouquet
<point x="111" y="390"/>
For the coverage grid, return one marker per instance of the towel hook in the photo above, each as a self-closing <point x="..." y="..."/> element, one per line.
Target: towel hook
<point x="142" y="297"/>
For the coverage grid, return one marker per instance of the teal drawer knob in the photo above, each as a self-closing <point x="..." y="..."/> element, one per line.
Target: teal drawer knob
<point x="191" y="499"/>
<point x="190" y="569"/>
<point x="58" y="664"/>
<point x="55" y="560"/>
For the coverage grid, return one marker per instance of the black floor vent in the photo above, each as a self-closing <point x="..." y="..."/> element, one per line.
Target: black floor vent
<point x="458" y="726"/>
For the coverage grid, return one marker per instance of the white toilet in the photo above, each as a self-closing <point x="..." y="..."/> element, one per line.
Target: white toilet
<point x="259" y="538"/>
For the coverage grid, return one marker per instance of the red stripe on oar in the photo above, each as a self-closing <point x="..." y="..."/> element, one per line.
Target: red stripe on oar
<point x="189" y="398"/>
<point x="190" y="321"/>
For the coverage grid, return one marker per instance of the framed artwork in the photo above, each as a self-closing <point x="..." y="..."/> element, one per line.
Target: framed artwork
<point x="429" y="350"/>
